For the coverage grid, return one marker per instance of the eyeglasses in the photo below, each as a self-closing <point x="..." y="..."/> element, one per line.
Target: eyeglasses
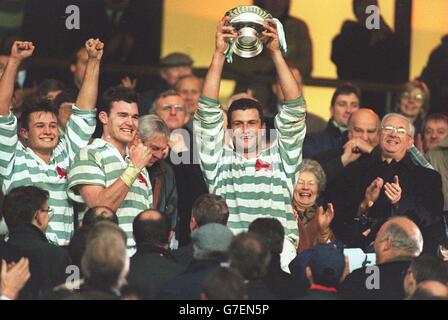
<point x="408" y="96"/>
<point x="50" y="212"/>
<point x="401" y="132"/>
<point x="177" y="107"/>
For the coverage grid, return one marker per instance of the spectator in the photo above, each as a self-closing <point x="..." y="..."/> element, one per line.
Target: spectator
<point x="78" y="66"/>
<point x="210" y="244"/>
<point x="105" y="263"/>
<point x="424" y="268"/>
<point x="345" y="101"/>
<point x="27" y="214"/>
<point x="324" y="271"/>
<point x="279" y="282"/>
<point x="224" y="284"/>
<point x="430" y="290"/>
<point x="207" y="208"/>
<point x="249" y="254"/>
<point x="154" y="134"/>
<point x="438" y="157"/>
<point x="40" y="158"/>
<point x="414" y="104"/>
<point x="111" y="170"/>
<point x="64" y="102"/>
<point x="397" y="242"/>
<point x="190" y="88"/>
<point x="435" y="129"/>
<point x="92" y="216"/>
<point x="50" y="89"/>
<point x="387" y="183"/>
<point x="153" y="265"/>
<point x="313" y="221"/>
<point x="435" y="75"/>
<point x="172" y="67"/>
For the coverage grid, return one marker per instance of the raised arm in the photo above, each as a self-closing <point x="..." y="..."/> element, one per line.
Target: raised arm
<point x="286" y="79"/>
<point x="89" y="89"/>
<point x="20" y="50"/>
<point x="213" y="78"/>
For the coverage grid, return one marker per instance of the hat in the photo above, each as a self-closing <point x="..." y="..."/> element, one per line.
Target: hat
<point x="176" y="59"/>
<point x="327" y="264"/>
<point x="212" y="237"/>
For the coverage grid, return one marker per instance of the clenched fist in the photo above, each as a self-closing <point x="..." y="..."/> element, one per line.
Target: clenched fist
<point x="21" y="50"/>
<point x="94" y="48"/>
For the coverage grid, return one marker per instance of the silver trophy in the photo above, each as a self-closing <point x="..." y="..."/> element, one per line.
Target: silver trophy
<point x="248" y="21"/>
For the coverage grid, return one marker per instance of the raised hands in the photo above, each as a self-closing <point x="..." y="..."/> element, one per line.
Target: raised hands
<point x="393" y="191"/>
<point x="13" y="277"/>
<point x="324" y="218"/>
<point x="94" y="48"/>
<point x="224" y="31"/>
<point x="372" y="193"/>
<point x="270" y="36"/>
<point x="21" y="50"/>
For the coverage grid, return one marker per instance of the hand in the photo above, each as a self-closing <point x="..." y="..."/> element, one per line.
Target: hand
<point x="393" y="191"/>
<point x="139" y="155"/>
<point x="372" y="193"/>
<point x="94" y="48"/>
<point x="129" y="83"/>
<point x="21" y="50"/>
<point x="349" y="154"/>
<point x="270" y="36"/>
<point x="166" y="152"/>
<point x="224" y="31"/>
<point x="361" y="146"/>
<point x="14" y="277"/>
<point x="324" y="218"/>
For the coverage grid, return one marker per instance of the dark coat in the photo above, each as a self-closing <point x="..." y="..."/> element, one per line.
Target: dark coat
<point x="151" y="268"/>
<point x="391" y="275"/>
<point x="421" y="199"/>
<point x="188" y="284"/>
<point x="330" y="138"/>
<point x="48" y="262"/>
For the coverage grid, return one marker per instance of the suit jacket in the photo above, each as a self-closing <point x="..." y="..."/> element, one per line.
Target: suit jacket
<point x="48" y="262"/>
<point x="421" y="199"/>
<point x="390" y="277"/>
<point x="330" y="138"/>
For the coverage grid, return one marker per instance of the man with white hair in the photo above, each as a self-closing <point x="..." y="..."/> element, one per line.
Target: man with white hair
<point x="387" y="183"/>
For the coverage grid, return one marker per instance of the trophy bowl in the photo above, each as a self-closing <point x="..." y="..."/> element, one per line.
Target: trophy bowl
<point x="248" y="21"/>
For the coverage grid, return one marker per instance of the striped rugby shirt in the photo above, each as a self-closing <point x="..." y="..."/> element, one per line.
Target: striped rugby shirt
<point x="20" y="166"/>
<point x="252" y="193"/>
<point x="100" y="163"/>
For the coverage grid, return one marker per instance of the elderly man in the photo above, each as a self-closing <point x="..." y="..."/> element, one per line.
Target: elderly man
<point x="397" y="243"/>
<point x="386" y="183"/>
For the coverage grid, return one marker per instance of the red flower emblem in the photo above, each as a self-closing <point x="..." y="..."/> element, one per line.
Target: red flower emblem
<point x="142" y="179"/>
<point x="259" y="165"/>
<point x="62" y="174"/>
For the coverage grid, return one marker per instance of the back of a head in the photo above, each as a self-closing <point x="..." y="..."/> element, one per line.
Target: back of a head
<point x="271" y="230"/>
<point x="406" y="237"/>
<point x="224" y="284"/>
<point x="97" y="214"/>
<point x="49" y="85"/>
<point x="66" y="96"/>
<point x="427" y="267"/>
<point x="151" y="125"/>
<point x="21" y="203"/>
<point x="150" y="227"/>
<point x="211" y="242"/>
<point x="250" y="255"/>
<point x="430" y="290"/>
<point x="327" y="264"/>
<point x="105" y="261"/>
<point x="210" y="208"/>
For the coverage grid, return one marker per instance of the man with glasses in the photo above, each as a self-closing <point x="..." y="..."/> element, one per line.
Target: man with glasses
<point x="27" y="216"/>
<point x="387" y="183"/>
